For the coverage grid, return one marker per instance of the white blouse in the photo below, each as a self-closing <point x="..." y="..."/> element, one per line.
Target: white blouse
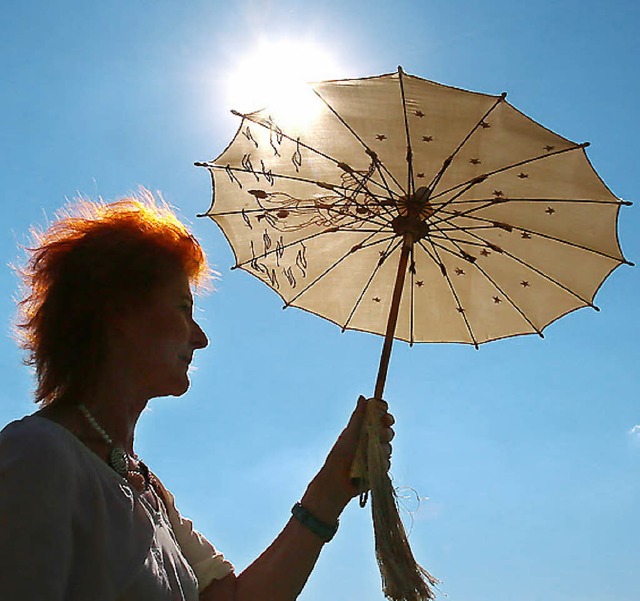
<point x="71" y="529"/>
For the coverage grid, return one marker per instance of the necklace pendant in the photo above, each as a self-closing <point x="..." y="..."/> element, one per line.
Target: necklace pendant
<point x="119" y="461"/>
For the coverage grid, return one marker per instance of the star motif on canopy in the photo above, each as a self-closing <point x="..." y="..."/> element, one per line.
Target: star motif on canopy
<point x="485" y="125"/>
<point x="550" y="210"/>
<point x="549" y="148"/>
<point x="524" y="284"/>
<point x="475" y="161"/>
<point x="459" y="271"/>
<point x="522" y="175"/>
<point x="484" y="252"/>
<point x="525" y="236"/>
<point x="376" y="299"/>
<point x="427" y="138"/>
<point x="497" y="300"/>
<point x="419" y="283"/>
<point x="381" y="137"/>
<point x="419" y="114"/>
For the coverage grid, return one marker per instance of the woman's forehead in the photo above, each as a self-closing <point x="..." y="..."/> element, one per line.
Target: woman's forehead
<point x="176" y="281"/>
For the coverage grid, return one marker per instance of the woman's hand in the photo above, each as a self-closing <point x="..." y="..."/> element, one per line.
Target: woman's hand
<point x="332" y="488"/>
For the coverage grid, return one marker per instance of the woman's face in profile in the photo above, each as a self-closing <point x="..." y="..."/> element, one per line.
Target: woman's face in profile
<point x="159" y="338"/>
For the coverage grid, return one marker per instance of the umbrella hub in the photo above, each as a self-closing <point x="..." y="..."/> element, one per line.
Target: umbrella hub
<point x="414" y="210"/>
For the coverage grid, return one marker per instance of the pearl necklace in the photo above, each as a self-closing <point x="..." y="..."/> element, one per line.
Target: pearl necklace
<point x="118" y="457"/>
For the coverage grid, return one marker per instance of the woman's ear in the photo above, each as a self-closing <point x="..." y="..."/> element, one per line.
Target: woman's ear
<point x="119" y="317"/>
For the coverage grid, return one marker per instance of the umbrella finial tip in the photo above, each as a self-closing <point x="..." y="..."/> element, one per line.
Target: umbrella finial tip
<point x="503" y="95"/>
<point x="630" y="263"/>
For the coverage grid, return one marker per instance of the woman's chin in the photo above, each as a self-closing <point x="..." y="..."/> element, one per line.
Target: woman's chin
<point x="176" y="388"/>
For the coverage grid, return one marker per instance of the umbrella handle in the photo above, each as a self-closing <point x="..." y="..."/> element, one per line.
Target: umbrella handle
<point x="370" y="427"/>
<point x="359" y="468"/>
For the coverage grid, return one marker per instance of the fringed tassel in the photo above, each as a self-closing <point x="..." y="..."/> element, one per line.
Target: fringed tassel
<point x="402" y="578"/>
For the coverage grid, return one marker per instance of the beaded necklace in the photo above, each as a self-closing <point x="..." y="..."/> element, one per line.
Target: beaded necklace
<point x="119" y="459"/>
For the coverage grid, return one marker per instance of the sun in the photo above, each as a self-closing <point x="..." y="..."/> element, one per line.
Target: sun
<point x="276" y="74"/>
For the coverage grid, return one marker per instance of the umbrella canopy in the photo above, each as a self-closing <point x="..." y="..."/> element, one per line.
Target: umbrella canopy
<point x="512" y="228"/>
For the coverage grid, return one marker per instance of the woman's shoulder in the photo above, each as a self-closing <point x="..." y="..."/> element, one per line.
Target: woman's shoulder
<point x="37" y="443"/>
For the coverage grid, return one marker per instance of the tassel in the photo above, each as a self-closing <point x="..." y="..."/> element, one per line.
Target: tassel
<point x="402" y="578"/>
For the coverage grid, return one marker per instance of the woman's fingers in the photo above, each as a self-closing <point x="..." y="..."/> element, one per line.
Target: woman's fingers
<point x="388" y="419"/>
<point x="386" y="449"/>
<point x="387" y="434"/>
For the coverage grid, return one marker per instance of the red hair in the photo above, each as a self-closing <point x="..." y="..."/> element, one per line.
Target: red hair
<point x="95" y="258"/>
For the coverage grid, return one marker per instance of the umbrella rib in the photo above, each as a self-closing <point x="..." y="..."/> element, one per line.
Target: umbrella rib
<point x="329" y="209"/>
<point x="387" y="252"/>
<point x="441" y="208"/>
<point x="459" y="307"/>
<point x="616" y="202"/>
<point x="304" y="239"/>
<point x="380" y="167"/>
<point x="511" y="301"/>
<point x="386" y="200"/>
<point x="449" y="215"/>
<point x="485" y="176"/>
<point x="524" y="230"/>
<point x="409" y="157"/>
<point x="443" y="236"/>
<point x="275" y="209"/>
<point x="447" y="162"/>
<point x="486" y="202"/>
<point x="345" y="167"/>
<point x="323" y="185"/>
<point x="342" y="191"/>
<point x="528" y="266"/>
<point x="370" y="152"/>
<point x="541" y="273"/>
<point x="486" y="275"/>
<point x="412" y="305"/>
<point x="327" y="271"/>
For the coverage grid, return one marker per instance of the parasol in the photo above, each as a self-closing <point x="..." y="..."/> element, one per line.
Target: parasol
<point x="402" y="207"/>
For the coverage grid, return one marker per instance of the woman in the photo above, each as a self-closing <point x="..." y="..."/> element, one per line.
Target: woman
<point x="107" y="322"/>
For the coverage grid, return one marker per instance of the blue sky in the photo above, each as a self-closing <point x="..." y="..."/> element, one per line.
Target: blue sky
<point x="524" y="451"/>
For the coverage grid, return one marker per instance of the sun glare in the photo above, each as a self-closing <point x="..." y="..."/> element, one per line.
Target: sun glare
<point x="275" y="75"/>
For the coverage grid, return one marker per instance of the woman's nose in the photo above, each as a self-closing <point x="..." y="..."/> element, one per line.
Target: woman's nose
<point x="198" y="337"/>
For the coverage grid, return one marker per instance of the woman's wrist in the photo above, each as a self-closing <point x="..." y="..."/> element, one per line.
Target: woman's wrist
<point x="323" y="530"/>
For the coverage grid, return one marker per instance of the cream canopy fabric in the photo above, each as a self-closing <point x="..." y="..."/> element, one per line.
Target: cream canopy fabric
<point x="511" y="227"/>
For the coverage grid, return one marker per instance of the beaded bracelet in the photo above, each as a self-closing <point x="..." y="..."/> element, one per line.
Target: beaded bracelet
<point x="321" y="529"/>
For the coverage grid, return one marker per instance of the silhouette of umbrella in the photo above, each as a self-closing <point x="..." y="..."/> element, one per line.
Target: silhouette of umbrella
<point x="402" y="207"/>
